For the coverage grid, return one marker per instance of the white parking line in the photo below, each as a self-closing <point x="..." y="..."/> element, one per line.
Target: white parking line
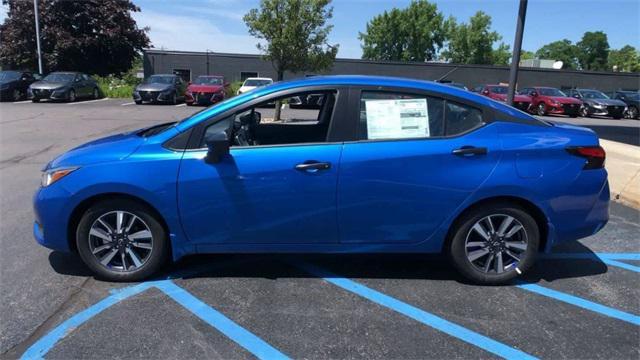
<point x="21" y="102"/>
<point x="126" y="104"/>
<point x="86" y="102"/>
<point x="183" y="104"/>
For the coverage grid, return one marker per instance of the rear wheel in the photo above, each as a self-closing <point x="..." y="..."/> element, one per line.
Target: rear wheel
<point x="494" y="244"/>
<point x="121" y="240"/>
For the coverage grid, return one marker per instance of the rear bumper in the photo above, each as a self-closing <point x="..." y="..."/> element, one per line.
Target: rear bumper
<point x="587" y="215"/>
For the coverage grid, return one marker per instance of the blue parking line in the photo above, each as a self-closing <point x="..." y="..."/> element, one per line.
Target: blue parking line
<point x="419" y="315"/>
<point x="583" y="303"/>
<point x="601" y="256"/>
<point x="47" y="342"/>
<point x="235" y="332"/>
<point x="621" y="264"/>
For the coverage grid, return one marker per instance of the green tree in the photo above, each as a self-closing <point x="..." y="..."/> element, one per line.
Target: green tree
<point x="94" y="36"/>
<point x="626" y="59"/>
<point x="295" y="34"/>
<point x="415" y="33"/>
<point x="501" y="55"/>
<point x="472" y="43"/>
<point x="527" y="55"/>
<point x="561" y="50"/>
<point x="593" y="51"/>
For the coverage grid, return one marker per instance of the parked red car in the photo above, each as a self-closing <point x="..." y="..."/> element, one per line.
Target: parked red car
<point x="206" y="90"/>
<point x="548" y="100"/>
<point x="499" y="92"/>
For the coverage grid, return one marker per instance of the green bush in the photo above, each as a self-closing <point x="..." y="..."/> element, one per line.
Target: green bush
<point x="232" y="90"/>
<point x="117" y="87"/>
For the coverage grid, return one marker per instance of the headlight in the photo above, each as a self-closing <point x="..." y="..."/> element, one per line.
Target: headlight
<point x="598" y="106"/>
<point x="51" y="176"/>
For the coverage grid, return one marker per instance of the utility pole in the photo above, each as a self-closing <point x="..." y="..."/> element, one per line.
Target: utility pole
<point x="207" y="61"/>
<point x="517" y="46"/>
<point x="35" y="11"/>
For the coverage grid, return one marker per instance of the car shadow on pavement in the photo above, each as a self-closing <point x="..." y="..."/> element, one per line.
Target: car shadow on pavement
<point x="357" y="266"/>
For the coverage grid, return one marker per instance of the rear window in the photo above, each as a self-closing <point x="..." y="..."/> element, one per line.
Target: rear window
<point x="386" y="115"/>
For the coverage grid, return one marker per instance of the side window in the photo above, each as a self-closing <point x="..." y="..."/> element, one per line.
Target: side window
<point x="296" y="119"/>
<point x="400" y="116"/>
<point x="460" y="118"/>
<point x="85" y="77"/>
<point x="219" y="126"/>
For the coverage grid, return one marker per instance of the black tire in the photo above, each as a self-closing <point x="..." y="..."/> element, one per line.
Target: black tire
<point x="541" y="109"/>
<point x="584" y="112"/>
<point x="174" y="99"/>
<point x="96" y="93"/>
<point x="72" y="96"/>
<point x="457" y="245"/>
<point x="573" y="115"/>
<point x="16" y="95"/>
<point x="618" y="117"/>
<point x="160" y="244"/>
<point x="632" y="112"/>
<point x="138" y="102"/>
<point x="35" y="100"/>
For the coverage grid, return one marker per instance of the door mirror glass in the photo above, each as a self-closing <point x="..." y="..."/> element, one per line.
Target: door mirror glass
<point x="577" y="96"/>
<point x="217" y="145"/>
<point x="534" y="93"/>
<point x="485" y="92"/>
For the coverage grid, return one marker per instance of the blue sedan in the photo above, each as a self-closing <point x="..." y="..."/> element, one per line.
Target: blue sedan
<point x="376" y="165"/>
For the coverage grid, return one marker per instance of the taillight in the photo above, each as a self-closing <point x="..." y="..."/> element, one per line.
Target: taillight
<point x="594" y="155"/>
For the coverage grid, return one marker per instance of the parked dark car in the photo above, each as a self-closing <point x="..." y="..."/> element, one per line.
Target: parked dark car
<point x="66" y="86"/>
<point x="595" y="102"/>
<point x="499" y="92"/>
<point x="160" y="88"/>
<point x="206" y="90"/>
<point x="631" y="98"/>
<point x="14" y="84"/>
<point x="548" y="100"/>
<point x="454" y="84"/>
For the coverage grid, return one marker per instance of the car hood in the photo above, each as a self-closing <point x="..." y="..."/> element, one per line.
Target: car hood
<point x="47" y="85"/>
<point x="153" y="87"/>
<point x="565" y="100"/>
<point x="605" y="102"/>
<point x="204" y="88"/>
<point x="3" y="82"/>
<point x="246" y="88"/>
<point x="110" y="148"/>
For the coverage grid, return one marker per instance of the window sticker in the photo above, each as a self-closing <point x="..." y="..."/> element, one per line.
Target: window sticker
<point x="397" y="119"/>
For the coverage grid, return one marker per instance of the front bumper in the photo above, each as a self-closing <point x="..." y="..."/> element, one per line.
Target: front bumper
<point x="611" y="110"/>
<point x="152" y="96"/>
<point x="564" y="109"/>
<point x="44" y="94"/>
<point x="51" y="209"/>
<point x="203" y="98"/>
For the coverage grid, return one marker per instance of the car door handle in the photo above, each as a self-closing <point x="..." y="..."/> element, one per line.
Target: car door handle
<point x="470" y="151"/>
<point x="313" y="166"/>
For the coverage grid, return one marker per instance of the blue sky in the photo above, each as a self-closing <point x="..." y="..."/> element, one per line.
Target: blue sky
<point x="217" y="25"/>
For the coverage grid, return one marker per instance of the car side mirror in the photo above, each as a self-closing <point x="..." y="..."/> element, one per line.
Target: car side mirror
<point x="577" y="96"/>
<point x="485" y="92"/>
<point x="534" y="94"/>
<point x="218" y="145"/>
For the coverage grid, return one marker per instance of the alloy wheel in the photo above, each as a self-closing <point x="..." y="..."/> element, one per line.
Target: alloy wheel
<point x="632" y="112"/>
<point x="541" y="109"/>
<point x="72" y="96"/>
<point x="583" y="111"/>
<point x="496" y="243"/>
<point x="120" y="241"/>
<point x="16" y="95"/>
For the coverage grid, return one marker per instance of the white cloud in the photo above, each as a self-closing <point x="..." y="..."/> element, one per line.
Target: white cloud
<point x="4" y="9"/>
<point x="189" y="33"/>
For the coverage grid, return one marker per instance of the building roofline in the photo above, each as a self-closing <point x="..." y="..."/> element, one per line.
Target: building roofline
<point x="389" y="62"/>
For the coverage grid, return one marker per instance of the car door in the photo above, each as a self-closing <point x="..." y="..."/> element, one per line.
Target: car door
<point x="418" y="158"/>
<point x="260" y="194"/>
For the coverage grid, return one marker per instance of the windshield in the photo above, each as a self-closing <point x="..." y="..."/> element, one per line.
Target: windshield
<point x="593" y="94"/>
<point x="256" y="82"/>
<point x="498" y="89"/>
<point x="59" y="77"/>
<point x="631" y="95"/>
<point x="208" y="80"/>
<point x="9" y="75"/>
<point x="551" y="92"/>
<point x="159" y="79"/>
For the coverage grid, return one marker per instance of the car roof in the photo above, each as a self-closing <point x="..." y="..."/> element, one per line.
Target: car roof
<point x="258" y="78"/>
<point x="351" y="80"/>
<point x="163" y="75"/>
<point x="211" y="76"/>
<point x="65" y="72"/>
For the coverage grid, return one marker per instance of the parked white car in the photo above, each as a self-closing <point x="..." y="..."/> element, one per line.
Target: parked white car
<point x="254" y="82"/>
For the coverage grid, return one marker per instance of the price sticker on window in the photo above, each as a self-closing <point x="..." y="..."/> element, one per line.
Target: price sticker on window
<point x="397" y="119"/>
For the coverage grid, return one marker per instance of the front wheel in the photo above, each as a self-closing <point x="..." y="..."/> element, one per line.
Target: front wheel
<point x="17" y="96"/>
<point x="584" y="112"/>
<point x="541" y="110"/>
<point x="96" y="93"/>
<point x="632" y="113"/>
<point x="121" y="240"/>
<point x="72" y="95"/>
<point x="494" y="244"/>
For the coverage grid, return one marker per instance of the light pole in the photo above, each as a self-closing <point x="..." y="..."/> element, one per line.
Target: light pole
<point x="35" y="11"/>
<point x="208" y="61"/>
<point x="517" y="46"/>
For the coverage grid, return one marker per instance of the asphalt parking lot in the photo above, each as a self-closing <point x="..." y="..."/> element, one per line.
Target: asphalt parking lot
<point x="581" y="302"/>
